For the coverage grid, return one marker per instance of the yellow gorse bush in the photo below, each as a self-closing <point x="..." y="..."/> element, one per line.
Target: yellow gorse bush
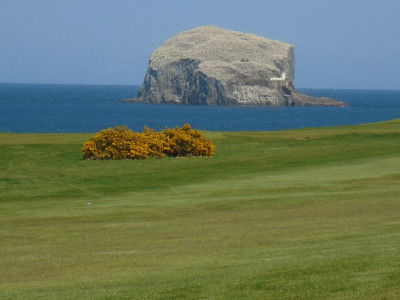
<point x="120" y="143"/>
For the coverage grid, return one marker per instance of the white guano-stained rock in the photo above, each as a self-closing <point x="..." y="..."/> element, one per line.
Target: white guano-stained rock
<point x="214" y="66"/>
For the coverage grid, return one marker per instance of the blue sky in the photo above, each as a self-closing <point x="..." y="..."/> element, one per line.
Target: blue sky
<point x="338" y="44"/>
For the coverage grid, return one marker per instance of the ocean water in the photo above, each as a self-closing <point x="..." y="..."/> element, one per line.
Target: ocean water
<point x="90" y="108"/>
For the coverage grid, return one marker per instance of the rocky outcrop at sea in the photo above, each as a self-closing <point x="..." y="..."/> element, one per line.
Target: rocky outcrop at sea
<point x="213" y="66"/>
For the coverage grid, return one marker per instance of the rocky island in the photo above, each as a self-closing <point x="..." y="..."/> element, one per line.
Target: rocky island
<point x="213" y="66"/>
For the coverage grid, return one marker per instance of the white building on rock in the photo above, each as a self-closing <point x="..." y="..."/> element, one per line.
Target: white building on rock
<point x="282" y="78"/>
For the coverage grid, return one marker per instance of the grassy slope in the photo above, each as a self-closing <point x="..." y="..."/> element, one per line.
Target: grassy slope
<point x="310" y="213"/>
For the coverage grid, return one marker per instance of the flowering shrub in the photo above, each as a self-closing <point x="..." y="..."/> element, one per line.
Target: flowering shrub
<point x="187" y="141"/>
<point x="120" y="142"/>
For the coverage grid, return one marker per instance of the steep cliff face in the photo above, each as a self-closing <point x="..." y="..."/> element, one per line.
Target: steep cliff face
<point x="210" y="65"/>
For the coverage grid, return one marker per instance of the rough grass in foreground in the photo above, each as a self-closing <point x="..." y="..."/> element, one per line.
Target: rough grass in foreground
<point x="294" y="214"/>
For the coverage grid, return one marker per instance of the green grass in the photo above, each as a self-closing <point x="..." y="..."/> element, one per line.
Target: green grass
<point x="297" y="214"/>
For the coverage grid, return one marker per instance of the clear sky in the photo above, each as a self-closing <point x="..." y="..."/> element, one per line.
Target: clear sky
<point x="338" y="43"/>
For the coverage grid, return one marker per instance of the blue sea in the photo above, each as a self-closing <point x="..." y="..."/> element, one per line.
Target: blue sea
<point x="90" y="108"/>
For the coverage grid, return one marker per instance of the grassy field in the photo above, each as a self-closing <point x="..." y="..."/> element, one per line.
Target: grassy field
<point x="301" y="214"/>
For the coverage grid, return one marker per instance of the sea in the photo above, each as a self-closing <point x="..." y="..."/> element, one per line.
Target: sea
<point x="51" y="108"/>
